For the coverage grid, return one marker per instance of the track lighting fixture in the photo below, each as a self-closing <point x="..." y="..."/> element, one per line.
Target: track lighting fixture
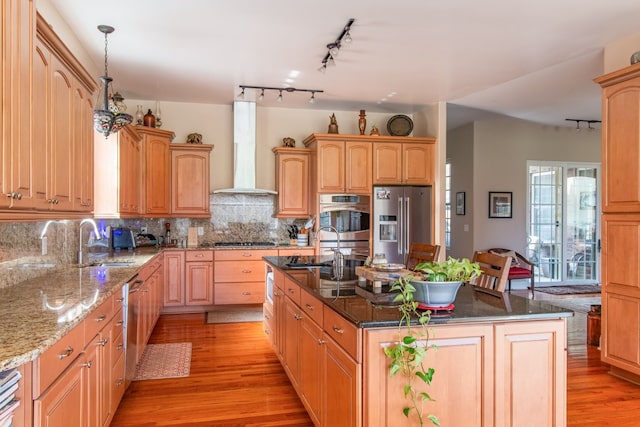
<point x="588" y="122"/>
<point x="280" y="90"/>
<point x="334" y="47"/>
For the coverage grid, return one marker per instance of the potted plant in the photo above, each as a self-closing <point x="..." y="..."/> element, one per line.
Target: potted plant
<point x="407" y="356"/>
<point x="436" y="283"/>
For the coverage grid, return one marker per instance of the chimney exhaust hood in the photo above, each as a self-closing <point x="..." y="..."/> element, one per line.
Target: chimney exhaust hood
<point x="244" y="151"/>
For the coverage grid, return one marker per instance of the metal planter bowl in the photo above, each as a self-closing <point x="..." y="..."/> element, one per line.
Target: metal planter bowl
<point x="435" y="294"/>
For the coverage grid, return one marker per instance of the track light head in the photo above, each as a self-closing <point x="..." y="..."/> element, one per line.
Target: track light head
<point x="333" y="48"/>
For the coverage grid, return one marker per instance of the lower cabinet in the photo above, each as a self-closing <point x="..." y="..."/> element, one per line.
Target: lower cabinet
<point x="239" y="276"/>
<point x="199" y="278"/>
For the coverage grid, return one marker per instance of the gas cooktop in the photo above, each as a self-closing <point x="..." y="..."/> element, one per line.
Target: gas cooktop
<point x="244" y="244"/>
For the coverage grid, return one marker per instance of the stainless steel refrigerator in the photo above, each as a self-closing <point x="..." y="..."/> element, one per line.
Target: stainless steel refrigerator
<point x="401" y="216"/>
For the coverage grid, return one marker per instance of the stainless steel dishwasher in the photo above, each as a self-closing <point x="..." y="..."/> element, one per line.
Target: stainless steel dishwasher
<point x="131" y="327"/>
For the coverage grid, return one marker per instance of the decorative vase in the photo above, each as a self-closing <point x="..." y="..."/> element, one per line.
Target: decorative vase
<point x="139" y="115"/>
<point x="149" y="119"/>
<point x="635" y="58"/>
<point x="362" y="122"/>
<point x="435" y="294"/>
<point x="374" y="131"/>
<point x="333" y="124"/>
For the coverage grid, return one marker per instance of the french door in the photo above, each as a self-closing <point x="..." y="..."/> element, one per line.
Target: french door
<point x="563" y="221"/>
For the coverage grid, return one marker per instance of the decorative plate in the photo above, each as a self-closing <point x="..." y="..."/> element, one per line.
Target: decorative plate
<point x="400" y="125"/>
<point x="389" y="267"/>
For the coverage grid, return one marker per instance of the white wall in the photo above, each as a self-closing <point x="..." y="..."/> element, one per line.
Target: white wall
<point x="460" y="155"/>
<point x="501" y="148"/>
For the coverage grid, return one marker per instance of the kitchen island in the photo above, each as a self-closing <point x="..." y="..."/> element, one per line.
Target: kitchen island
<point x="493" y="366"/>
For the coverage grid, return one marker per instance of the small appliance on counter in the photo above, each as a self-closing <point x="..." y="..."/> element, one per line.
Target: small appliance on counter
<point x="144" y="239"/>
<point x="122" y="238"/>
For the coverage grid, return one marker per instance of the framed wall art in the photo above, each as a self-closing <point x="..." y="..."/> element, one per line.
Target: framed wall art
<point x="460" y="203"/>
<point x="500" y="204"/>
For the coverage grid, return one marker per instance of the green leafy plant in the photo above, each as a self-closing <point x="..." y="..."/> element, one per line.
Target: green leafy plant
<point x="451" y="270"/>
<point x="407" y="356"/>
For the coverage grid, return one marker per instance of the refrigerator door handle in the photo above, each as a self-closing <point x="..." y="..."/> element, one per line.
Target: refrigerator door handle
<point x="407" y="231"/>
<point x="400" y="221"/>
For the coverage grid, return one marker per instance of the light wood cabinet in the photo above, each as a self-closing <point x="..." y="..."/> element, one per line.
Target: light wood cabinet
<point x="199" y="278"/>
<point x="620" y="336"/>
<point x="343" y="163"/>
<point x="342" y="385"/>
<point x="190" y="180"/>
<point x="17" y="148"/>
<point x="156" y="171"/>
<point x="239" y="276"/>
<point x="621" y="140"/>
<point x="47" y="160"/>
<point x="292" y="182"/>
<point x="407" y="161"/>
<point x="291" y="350"/>
<point x="310" y="354"/>
<point x="118" y="175"/>
<point x="174" y="292"/>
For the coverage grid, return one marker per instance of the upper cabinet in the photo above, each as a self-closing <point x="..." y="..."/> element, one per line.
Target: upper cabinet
<point x="190" y="180"/>
<point x="343" y="163"/>
<point x="621" y="140"/>
<point x="403" y="160"/>
<point x="156" y="171"/>
<point x="292" y="182"/>
<point x="118" y="178"/>
<point x="47" y="121"/>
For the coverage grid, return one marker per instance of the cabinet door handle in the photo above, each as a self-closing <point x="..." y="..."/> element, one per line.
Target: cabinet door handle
<point x="309" y="307"/>
<point x="291" y="290"/>
<point x="103" y="342"/>
<point x="119" y="323"/>
<point x="67" y="352"/>
<point x="246" y="293"/>
<point x="297" y="316"/>
<point x="88" y="364"/>
<point x="320" y="341"/>
<point x="119" y="382"/>
<point x="120" y="346"/>
<point x="101" y="318"/>
<point x="338" y="330"/>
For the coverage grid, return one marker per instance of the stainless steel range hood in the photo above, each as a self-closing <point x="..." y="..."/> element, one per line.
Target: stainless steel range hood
<point x="244" y="151"/>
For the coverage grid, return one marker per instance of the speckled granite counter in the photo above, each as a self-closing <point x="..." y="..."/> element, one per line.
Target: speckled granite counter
<point x="470" y="307"/>
<point x="35" y="313"/>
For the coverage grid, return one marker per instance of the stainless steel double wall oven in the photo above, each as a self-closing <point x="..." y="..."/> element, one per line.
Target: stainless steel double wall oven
<point x="350" y="214"/>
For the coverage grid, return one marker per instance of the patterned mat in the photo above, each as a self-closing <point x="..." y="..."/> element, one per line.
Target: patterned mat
<point x="164" y="361"/>
<point x="569" y="289"/>
<point x="234" y="316"/>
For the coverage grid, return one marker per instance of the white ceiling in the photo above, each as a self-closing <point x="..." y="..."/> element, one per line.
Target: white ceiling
<point x="533" y="60"/>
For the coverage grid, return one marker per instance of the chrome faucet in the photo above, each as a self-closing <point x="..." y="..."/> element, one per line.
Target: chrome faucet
<point x="95" y="230"/>
<point x="338" y="257"/>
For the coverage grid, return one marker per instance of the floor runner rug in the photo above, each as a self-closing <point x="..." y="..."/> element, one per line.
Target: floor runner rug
<point x="234" y="316"/>
<point x="569" y="289"/>
<point x="164" y="361"/>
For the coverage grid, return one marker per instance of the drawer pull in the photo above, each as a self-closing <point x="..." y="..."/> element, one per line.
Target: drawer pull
<point x="119" y="299"/>
<point x="103" y="342"/>
<point x="291" y="290"/>
<point x="338" y="330"/>
<point x="246" y="271"/>
<point x="268" y="317"/>
<point x="199" y="255"/>
<point x="246" y="293"/>
<point x="119" y="382"/>
<point x="309" y="307"/>
<point x="120" y="346"/>
<point x="101" y="318"/>
<point x="297" y="316"/>
<point x="246" y="255"/>
<point x="66" y="353"/>
<point x="119" y="323"/>
<point x="320" y="341"/>
<point x="267" y="332"/>
<point x="88" y="364"/>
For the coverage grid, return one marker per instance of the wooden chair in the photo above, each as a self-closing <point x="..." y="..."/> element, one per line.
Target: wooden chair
<point x="521" y="267"/>
<point x="495" y="271"/>
<point x="421" y="252"/>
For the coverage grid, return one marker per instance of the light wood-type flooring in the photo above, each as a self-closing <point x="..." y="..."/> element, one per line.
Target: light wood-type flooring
<point x="236" y="380"/>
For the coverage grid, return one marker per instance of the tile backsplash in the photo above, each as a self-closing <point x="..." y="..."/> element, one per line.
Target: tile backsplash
<point x="234" y="218"/>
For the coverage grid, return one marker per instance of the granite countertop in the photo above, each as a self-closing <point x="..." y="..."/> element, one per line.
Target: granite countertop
<point x="36" y="313"/>
<point x="470" y="306"/>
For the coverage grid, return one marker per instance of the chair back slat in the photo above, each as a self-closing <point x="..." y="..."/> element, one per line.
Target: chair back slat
<point x="421" y="252"/>
<point x="495" y="271"/>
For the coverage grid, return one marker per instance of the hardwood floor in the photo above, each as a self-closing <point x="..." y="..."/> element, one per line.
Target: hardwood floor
<point x="236" y="380"/>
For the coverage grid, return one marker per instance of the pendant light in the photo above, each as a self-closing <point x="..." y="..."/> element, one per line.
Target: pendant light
<point x="111" y="116"/>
